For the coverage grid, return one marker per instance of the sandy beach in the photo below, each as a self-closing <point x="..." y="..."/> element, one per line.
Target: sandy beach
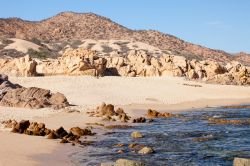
<point x="135" y="95"/>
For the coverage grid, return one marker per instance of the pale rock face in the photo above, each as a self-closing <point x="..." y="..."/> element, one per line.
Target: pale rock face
<point x="180" y="61"/>
<point x="74" y="62"/>
<point x="214" y="68"/>
<point x="191" y="74"/>
<point x="23" y="66"/>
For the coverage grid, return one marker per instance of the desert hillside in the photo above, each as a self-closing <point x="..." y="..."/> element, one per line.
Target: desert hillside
<point x="75" y="26"/>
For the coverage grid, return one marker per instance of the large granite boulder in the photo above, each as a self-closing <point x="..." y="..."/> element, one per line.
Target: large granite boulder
<point x="24" y="66"/>
<point x="14" y="95"/>
<point x="33" y="98"/>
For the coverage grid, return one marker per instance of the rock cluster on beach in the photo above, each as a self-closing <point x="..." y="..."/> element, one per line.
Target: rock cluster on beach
<point x="39" y="129"/>
<point x="108" y="112"/>
<point x="136" y="63"/>
<point x="13" y="95"/>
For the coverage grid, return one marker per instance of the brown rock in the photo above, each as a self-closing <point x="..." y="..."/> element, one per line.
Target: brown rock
<point x="21" y="126"/>
<point x="155" y="114"/>
<point x="52" y="135"/>
<point x="77" y="131"/>
<point x="32" y="98"/>
<point x="61" y="132"/>
<point x="139" y="120"/>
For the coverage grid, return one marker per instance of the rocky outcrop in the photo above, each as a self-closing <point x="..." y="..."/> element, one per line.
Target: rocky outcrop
<point x="74" y="62"/>
<point x="140" y="63"/>
<point x="14" y="95"/>
<point x="24" y="66"/>
<point x="33" y="98"/>
<point x="108" y="112"/>
<point x="137" y="63"/>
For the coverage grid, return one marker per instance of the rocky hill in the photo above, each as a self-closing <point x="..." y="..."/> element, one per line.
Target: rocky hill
<point x="243" y="57"/>
<point x="75" y="26"/>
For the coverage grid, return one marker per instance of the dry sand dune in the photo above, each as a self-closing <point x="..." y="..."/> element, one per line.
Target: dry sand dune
<point x="22" y="45"/>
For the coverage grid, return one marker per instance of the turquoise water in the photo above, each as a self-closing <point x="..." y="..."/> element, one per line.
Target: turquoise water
<point x="173" y="141"/>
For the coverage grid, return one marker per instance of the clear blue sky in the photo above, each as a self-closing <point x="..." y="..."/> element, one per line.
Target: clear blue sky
<point x="220" y="24"/>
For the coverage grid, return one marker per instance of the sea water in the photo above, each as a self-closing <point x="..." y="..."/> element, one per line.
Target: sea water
<point x="174" y="141"/>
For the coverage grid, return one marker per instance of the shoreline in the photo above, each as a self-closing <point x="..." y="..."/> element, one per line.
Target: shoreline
<point x="166" y="94"/>
<point x="52" y="152"/>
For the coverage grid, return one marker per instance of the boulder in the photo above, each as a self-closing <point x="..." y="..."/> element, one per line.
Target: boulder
<point x="52" y="135"/>
<point x="78" y="132"/>
<point x="60" y="132"/>
<point x="33" y="98"/>
<point x="139" y="120"/>
<point x="24" y="66"/>
<point x="136" y="134"/>
<point x="126" y="162"/>
<point x="241" y="162"/>
<point x="107" y="110"/>
<point x="21" y="126"/>
<point x="146" y="150"/>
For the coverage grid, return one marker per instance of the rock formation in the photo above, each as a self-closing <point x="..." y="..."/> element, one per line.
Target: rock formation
<point x="24" y="66"/>
<point x="39" y="129"/>
<point x="13" y="95"/>
<point x="74" y="62"/>
<point x="137" y="63"/>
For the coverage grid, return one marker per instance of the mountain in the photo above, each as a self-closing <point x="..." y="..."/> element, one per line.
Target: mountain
<point x="78" y="26"/>
<point x="243" y="57"/>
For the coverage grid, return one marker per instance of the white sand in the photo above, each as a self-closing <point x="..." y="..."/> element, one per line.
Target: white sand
<point x="85" y="90"/>
<point x="22" y="45"/>
<point x="133" y="94"/>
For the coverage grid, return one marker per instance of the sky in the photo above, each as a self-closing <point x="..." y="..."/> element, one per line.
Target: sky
<point x="218" y="24"/>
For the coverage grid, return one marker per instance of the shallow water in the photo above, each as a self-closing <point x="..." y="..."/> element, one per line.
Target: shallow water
<point x="173" y="141"/>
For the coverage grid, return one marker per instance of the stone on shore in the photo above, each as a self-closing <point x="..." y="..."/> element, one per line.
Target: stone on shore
<point x="241" y="162"/>
<point x="126" y="162"/>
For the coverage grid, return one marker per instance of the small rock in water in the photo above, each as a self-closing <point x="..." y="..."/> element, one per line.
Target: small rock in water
<point x="155" y="114"/>
<point x="125" y="162"/>
<point x="118" y="145"/>
<point x="146" y="150"/>
<point x="136" y="134"/>
<point x="120" y="151"/>
<point x="139" y="120"/>
<point x="241" y="161"/>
